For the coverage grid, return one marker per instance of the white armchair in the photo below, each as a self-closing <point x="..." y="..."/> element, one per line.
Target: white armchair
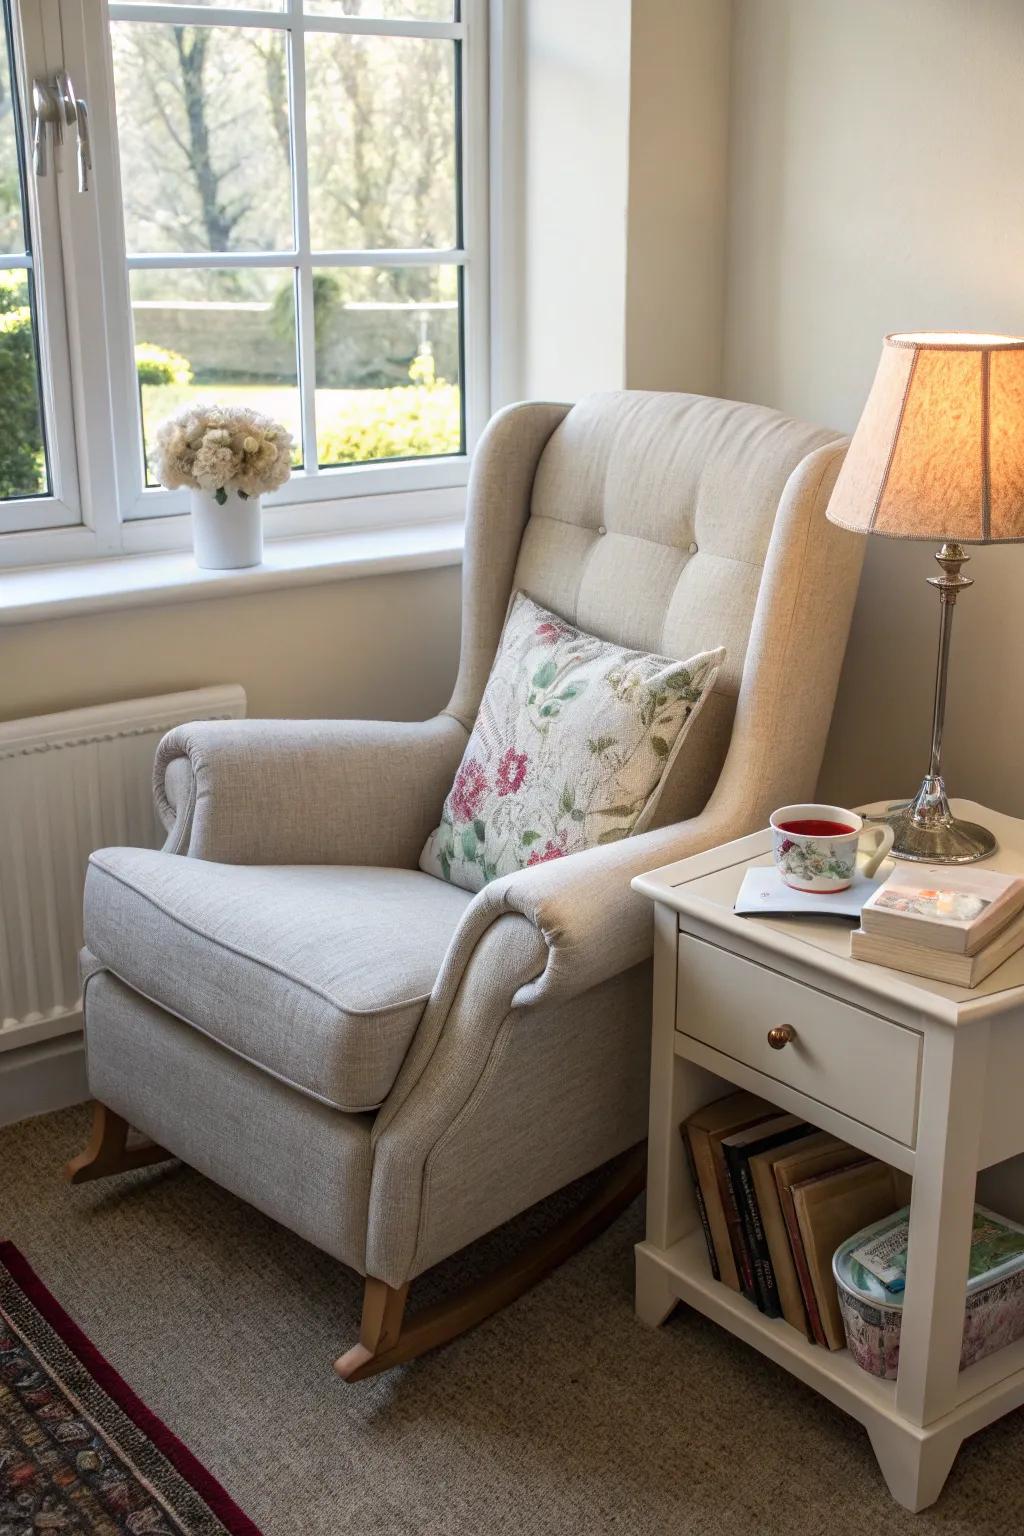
<point x="380" y="1061"/>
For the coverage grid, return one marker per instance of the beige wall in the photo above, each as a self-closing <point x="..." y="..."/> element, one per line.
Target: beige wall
<point x="619" y="232"/>
<point x="676" y="224"/>
<point x="574" y="162"/>
<point x="384" y="646"/>
<point x="876" y="163"/>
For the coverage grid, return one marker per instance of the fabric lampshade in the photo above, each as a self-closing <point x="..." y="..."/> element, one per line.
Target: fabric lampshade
<point x="939" y="449"/>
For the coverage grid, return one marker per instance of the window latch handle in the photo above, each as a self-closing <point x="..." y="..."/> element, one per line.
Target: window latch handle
<point x="45" y="114"/>
<point x="55" y="106"/>
<point x="84" y="147"/>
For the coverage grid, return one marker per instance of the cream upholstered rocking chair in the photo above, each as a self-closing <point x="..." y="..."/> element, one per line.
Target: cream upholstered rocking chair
<point x="380" y="1061"/>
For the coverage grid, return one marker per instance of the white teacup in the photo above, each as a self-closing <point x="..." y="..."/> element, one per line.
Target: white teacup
<point x="815" y="846"/>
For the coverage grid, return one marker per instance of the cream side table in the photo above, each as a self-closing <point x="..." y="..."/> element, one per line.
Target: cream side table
<point x="926" y="1076"/>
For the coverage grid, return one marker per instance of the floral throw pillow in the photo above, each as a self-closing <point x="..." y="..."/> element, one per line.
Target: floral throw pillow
<point x="572" y="742"/>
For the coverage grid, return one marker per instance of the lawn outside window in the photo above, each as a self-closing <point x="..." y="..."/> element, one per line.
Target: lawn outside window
<point x="287" y="209"/>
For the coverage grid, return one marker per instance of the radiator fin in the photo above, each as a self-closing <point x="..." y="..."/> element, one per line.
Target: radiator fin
<point x="70" y="783"/>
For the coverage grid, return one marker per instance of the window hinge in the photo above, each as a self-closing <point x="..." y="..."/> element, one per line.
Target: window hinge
<point x="56" y="106"/>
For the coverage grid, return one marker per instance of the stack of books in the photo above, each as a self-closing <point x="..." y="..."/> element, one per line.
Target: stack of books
<point x="776" y="1198"/>
<point x="947" y="923"/>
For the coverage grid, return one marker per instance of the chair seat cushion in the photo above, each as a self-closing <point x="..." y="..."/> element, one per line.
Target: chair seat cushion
<point x="317" y="974"/>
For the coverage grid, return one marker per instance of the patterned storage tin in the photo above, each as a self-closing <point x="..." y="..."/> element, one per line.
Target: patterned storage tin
<point x="873" y="1310"/>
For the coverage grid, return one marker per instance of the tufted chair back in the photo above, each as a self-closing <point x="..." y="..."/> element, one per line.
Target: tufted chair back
<point x="674" y="523"/>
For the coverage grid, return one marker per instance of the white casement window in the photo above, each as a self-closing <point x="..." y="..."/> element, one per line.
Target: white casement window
<point x="275" y="202"/>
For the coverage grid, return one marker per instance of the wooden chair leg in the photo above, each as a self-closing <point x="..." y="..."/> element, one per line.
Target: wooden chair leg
<point x="379" y="1330"/>
<point x="384" y="1343"/>
<point x="108" y="1150"/>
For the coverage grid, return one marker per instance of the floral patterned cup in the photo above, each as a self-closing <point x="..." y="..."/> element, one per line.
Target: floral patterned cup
<point x="815" y="846"/>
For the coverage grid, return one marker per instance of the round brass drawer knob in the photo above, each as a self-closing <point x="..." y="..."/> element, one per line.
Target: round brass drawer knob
<point x="781" y="1035"/>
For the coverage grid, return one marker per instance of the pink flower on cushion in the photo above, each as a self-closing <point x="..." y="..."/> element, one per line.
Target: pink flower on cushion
<point x="551" y="630"/>
<point x="551" y="851"/>
<point x="468" y="790"/>
<point x="511" y="771"/>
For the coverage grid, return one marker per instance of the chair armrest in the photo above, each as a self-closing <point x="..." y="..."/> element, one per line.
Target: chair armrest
<point x="539" y="937"/>
<point x="305" y="791"/>
<point x="593" y="925"/>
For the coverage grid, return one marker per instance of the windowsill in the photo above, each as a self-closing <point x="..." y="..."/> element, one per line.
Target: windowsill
<point x="136" y="581"/>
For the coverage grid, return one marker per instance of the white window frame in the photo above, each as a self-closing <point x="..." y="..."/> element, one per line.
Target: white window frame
<point x="32" y="50"/>
<point x="118" y="514"/>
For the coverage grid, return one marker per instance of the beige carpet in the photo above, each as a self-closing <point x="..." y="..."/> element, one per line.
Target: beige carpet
<point x="562" y="1415"/>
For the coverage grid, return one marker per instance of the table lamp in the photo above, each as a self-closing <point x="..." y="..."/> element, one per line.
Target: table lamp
<point x="939" y="454"/>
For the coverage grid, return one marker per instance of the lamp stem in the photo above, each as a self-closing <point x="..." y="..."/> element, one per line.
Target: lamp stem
<point x="930" y="808"/>
<point x="926" y="829"/>
<point x="950" y="584"/>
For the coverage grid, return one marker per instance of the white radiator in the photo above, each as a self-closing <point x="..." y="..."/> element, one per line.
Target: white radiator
<point x="70" y="783"/>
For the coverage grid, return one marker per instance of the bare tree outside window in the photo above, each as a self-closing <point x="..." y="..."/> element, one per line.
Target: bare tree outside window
<point x="207" y="151"/>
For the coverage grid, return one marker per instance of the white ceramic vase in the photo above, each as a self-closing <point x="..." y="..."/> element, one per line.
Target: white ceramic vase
<point x="226" y="536"/>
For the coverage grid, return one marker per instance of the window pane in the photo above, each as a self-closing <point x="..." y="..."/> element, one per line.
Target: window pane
<point x="387" y="363"/>
<point x="12" y="230"/>
<point x="204" y="136"/>
<point x="22" y="451"/>
<point x="248" y="5"/>
<point x="224" y="336"/>
<point x="390" y="10"/>
<point x="381" y="130"/>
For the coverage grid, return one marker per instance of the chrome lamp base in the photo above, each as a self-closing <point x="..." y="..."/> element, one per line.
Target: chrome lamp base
<point x="925" y="831"/>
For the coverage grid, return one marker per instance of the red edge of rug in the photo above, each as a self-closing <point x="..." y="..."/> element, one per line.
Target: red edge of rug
<point x="181" y="1458"/>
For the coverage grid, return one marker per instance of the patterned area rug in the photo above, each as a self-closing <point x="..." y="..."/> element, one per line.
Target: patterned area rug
<point x="80" y="1455"/>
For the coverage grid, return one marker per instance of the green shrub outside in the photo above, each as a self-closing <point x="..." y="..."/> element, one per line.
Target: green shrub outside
<point x="159" y="365"/>
<point x="408" y="421"/>
<point x="355" y="426"/>
<point x="22" y="471"/>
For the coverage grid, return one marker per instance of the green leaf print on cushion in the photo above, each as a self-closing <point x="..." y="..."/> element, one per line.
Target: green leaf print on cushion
<point x="571" y="731"/>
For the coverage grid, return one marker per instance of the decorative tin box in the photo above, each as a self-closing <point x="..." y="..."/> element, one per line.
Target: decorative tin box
<point x="870" y="1268"/>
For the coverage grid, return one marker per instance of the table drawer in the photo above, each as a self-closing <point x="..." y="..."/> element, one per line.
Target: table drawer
<point x="854" y="1061"/>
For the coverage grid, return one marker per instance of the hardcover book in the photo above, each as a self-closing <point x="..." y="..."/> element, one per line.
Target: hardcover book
<point x="944" y="907"/>
<point x="766" y="1136"/>
<point x="831" y="1208"/>
<point x="702" y="1209"/>
<point x="785" y="1165"/>
<point x="831" y="1154"/>
<point x="940" y="965"/>
<point x="704" y="1131"/>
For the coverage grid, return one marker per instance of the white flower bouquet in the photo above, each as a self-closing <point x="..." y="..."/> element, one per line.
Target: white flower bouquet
<point x="218" y="449"/>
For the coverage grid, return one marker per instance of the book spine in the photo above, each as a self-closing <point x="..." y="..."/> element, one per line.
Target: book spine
<point x="764" y="1273"/>
<point x="736" y="1217"/>
<point x="803" y="1271"/>
<point x="710" y="1181"/>
<point x="702" y="1209"/>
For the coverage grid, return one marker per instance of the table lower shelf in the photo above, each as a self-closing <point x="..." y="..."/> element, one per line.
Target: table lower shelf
<point x="985" y="1390"/>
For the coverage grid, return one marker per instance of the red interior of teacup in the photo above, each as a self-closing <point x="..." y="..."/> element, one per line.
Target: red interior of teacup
<point x="812" y="828"/>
